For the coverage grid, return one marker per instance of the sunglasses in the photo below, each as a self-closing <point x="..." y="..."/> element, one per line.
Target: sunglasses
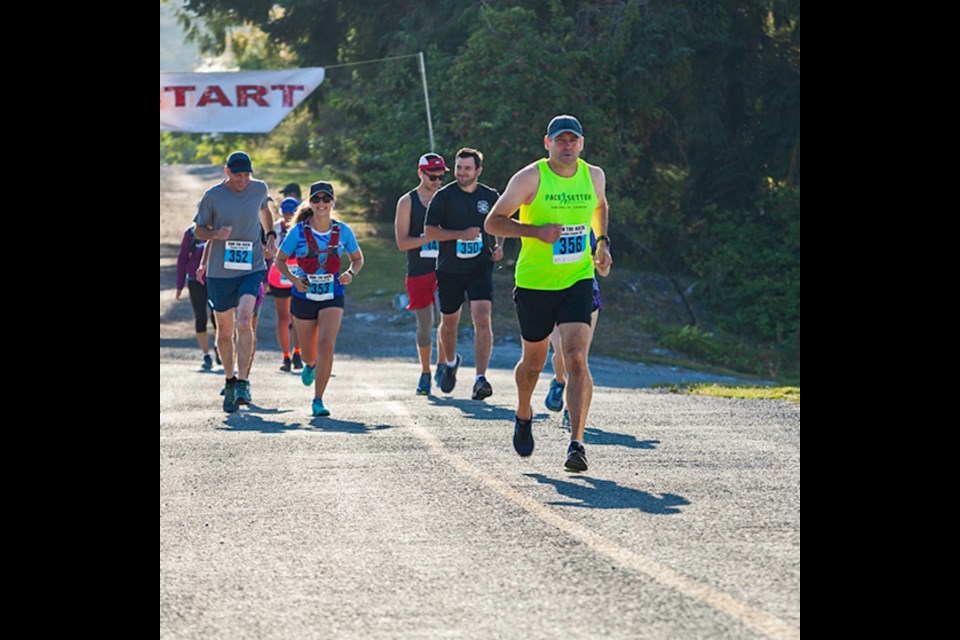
<point x="324" y="198"/>
<point x="433" y="178"/>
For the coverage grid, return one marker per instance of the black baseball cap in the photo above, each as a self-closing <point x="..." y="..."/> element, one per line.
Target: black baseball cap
<point x="561" y="124"/>
<point x="293" y="187"/>
<point x="239" y="162"/>
<point x="321" y="187"/>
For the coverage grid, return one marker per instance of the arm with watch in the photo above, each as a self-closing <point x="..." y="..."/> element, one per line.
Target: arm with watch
<point x="268" y="235"/>
<point x="356" y="264"/>
<point x="601" y="216"/>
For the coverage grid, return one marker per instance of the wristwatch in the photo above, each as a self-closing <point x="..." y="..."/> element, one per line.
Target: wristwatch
<point x="604" y="239"/>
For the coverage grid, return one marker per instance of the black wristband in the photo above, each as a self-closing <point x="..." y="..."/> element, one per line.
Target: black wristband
<point x="604" y="239"/>
<point x="271" y="233"/>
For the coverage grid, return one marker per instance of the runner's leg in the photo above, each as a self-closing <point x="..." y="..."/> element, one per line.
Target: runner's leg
<point x="328" y="326"/>
<point x="575" y="344"/>
<point x="481" y="311"/>
<point x="527" y="372"/>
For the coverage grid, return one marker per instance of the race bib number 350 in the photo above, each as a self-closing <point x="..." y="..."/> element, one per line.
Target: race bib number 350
<point x="573" y="242"/>
<point x="471" y="249"/>
<point x="238" y="255"/>
<point x="321" y="287"/>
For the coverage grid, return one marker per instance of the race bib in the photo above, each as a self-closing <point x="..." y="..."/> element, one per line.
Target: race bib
<point x="321" y="287"/>
<point x="573" y="242"/>
<point x="238" y="255"/>
<point x="471" y="249"/>
<point x="430" y="250"/>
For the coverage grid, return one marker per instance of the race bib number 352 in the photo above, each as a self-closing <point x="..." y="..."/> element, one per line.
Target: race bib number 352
<point x="238" y="255"/>
<point x="573" y="242"/>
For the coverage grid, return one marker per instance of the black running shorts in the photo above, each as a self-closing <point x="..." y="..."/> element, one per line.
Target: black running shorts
<point x="538" y="310"/>
<point x="456" y="287"/>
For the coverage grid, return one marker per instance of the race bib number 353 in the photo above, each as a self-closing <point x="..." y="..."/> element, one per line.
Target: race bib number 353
<point x="573" y="242"/>
<point x="321" y="287"/>
<point x="238" y="255"/>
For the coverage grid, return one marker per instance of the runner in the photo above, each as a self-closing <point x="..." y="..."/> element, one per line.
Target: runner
<point x="421" y="281"/>
<point x="554" y="399"/>
<point x="235" y="216"/>
<point x="191" y="251"/>
<point x="292" y="190"/>
<point x="560" y="198"/>
<point x="317" y="303"/>
<point x="280" y="290"/>
<point x="464" y="267"/>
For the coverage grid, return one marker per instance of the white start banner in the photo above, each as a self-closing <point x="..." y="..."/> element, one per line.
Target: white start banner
<point x="237" y="102"/>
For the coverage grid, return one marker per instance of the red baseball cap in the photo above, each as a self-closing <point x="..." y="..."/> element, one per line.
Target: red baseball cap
<point x="432" y="162"/>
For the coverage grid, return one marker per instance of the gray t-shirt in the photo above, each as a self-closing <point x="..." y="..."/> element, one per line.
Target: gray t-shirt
<point x="242" y="253"/>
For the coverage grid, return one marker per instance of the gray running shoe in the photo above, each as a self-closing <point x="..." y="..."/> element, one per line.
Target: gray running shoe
<point x="576" y="458"/>
<point x="482" y="389"/>
<point x="449" y="379"/>
<point x="243" y="392"/>
<point x="229" y="394"/>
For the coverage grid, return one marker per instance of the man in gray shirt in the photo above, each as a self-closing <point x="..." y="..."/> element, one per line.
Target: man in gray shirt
<point x="234" y="216"/>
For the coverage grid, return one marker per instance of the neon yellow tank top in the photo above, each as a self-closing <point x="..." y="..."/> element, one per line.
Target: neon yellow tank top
<point x="569" y="202"/>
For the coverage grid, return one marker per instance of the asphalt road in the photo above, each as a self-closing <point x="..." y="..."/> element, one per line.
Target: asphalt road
<point x="411" y="517"/>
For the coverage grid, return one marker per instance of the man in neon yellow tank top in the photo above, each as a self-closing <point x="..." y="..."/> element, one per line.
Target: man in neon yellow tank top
<point x="560" y="198"/>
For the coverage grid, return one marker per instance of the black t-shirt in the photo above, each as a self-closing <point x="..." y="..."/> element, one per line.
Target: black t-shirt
<point x="452" y="208"/>
<point x="423" y="259"/>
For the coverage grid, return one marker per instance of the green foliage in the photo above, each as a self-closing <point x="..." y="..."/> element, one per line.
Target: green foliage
<point x="692" y="108"/>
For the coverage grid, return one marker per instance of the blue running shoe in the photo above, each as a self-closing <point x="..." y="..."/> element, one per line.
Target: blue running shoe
<point x="423" y="387"/>
<point x="449" y="378"/>
<point x="308" y="375"/>
<point x="243" y="392"/>
<point x="523" y="437"/>
<point x="554" y="400"/>
<point x="318" y="408"/>
<point x="566" y="420"/>
<point x="229" y="394"/>
<point x="576" y="458"/>
<point x="207" y="362"/>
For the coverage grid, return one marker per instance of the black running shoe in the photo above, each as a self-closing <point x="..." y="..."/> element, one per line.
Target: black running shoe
<point x="523" y="437"/>
<point x="287" y="363"/>
<point x="576" y="458"/>
<point x="216" y="354"/>
<point x="229" y="394"/>
<point x="482" y="389"/>
<point x="449" y="379"/>
<point x="207" y="362"/>
<point x="297" y="360"/>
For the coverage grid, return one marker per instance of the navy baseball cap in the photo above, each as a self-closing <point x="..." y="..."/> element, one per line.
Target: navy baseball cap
<point x="562" y="124"/>
<point x="321" y="187"/>
<point x="239" y="162"/>
<point x="289" y="205"/>
<point x="291" y="189"/>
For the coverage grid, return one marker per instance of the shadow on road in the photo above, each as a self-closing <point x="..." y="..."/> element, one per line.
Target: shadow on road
<point x="345" y="426"/>
<point x="605" y="494"/>
<point x="250" y="420"/>
<point x="476" y="409"/>
<point x="599" y="436"/>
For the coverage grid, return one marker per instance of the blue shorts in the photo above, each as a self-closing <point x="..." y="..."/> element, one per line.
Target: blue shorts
<point x="224" y="293"/>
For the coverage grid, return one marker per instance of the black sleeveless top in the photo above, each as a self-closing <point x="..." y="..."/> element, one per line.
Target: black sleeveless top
<point x="417" y="265"/>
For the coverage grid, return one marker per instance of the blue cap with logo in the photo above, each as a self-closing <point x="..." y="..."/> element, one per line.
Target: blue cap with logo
<point x="289" y="205"/>
<point x="239" y="162"/>
<point x="562" y="124"/>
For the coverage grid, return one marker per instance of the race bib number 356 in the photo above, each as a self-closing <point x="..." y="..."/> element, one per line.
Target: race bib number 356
<point x="238" y="255"/>
<point x="573" y="242"/>
<point x="321" y="287"/>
